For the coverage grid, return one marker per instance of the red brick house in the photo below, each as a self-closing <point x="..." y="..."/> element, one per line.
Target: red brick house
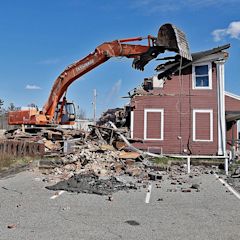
<point x="184" y="108"/>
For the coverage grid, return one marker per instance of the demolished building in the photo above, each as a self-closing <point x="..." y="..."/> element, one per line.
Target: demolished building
<point x="184" y="109"/>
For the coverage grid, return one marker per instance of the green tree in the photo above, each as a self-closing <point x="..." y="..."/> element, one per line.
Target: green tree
<point x="33" y="105"/>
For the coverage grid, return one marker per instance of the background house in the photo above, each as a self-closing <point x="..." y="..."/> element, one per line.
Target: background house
<point x="184" y="109"/>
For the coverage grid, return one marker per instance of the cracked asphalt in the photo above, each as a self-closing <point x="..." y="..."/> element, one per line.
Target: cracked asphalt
<point x="28" y="212"/>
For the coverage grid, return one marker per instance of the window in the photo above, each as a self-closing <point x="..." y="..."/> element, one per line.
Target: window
<point x="202" y="76"/>
<point x="203" y="125"/>
<point x="153" y="124"/>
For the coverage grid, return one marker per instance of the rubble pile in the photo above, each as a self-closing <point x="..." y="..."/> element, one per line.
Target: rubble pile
<point x="102" y="161"/>
<point x="116" y="115"/>
<point x="93" y="158"/>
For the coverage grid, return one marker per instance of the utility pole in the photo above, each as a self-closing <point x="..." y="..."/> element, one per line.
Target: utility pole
<point x="94" y="105"/>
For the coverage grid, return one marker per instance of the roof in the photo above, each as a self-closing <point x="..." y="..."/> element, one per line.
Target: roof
<point x="170" y="67"/>
<point x="232" y="116"/>
<point x="199" y="55"/>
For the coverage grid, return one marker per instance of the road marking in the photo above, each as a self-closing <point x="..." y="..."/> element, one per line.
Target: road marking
<point x="228" y="186"/>
<point x="57" y="194"/>
<point x="149" y="190"/>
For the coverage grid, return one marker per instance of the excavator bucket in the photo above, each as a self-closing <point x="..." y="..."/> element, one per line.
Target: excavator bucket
<point x="169" y="38"/>
<point x="173" y="39"/>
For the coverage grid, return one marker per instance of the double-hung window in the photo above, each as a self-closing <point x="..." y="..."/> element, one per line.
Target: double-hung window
<point x="202" y="76"/>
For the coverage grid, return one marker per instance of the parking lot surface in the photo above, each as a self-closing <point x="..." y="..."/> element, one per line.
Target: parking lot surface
<point x="29" y="211"/>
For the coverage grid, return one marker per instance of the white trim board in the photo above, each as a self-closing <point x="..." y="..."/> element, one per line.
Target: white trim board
<point x="232" y="95"/>
<point x="146" y="111"/>
<point x="194" y="124"/>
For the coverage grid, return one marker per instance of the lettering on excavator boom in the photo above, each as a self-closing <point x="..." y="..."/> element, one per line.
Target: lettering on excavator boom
<point x="85" y="65"/>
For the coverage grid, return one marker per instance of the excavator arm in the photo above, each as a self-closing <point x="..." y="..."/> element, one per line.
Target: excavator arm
<point x="141" y="54"/>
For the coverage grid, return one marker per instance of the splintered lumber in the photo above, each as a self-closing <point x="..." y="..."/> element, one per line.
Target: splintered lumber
<point x="125" y="139"/>
<point x="127" y="155"/>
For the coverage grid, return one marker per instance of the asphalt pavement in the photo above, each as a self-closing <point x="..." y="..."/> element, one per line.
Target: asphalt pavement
<point x="29" y="211"/>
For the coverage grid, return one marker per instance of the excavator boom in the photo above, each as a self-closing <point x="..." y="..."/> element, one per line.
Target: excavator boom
<point x="169" y="38"/>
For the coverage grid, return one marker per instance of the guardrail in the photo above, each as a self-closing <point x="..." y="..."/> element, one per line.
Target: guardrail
<point x="189" y="157"/>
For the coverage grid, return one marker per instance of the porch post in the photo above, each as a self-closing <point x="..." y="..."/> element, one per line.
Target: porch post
<point x="221" y="108"/>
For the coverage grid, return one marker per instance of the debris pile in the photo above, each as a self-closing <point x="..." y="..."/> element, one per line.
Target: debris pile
<point x="116" y="115"/>
<point x="102" y="161"/>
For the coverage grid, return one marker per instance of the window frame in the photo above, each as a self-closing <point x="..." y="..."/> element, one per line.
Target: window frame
<point x="194" y="124"/>
<point x="161" y="111"/>
<point x="209" y="87"/>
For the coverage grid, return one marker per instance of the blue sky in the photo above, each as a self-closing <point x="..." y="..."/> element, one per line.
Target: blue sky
<point x="40" y="38"/>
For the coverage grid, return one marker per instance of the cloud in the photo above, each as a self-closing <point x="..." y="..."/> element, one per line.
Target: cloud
<point x="218" y="34"/>
<point x="49" y="61"/>
<point x="233" y="31"/>
<point x="32" y="87"/>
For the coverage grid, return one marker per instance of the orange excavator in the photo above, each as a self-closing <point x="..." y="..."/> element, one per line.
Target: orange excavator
<point x="58" y="110"/>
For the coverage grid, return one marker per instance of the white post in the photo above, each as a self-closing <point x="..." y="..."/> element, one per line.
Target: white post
<point x="132" y="123"/>
<point x="188" y="165"/>
<point x="226" y="166"/>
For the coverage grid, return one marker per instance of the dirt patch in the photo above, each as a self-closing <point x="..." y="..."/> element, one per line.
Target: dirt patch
<point x="11" y="165"/>
<point x="11" y="171"/>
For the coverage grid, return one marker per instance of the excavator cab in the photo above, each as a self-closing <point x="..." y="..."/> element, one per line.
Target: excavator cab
<point x="65" y="113"/>
<point x="70" y="112"/>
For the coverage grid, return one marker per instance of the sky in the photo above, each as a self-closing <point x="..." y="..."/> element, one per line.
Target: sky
<point x="40" y="38"/>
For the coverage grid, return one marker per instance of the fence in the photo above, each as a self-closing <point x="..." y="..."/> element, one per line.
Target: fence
<point x="21" y="148"/>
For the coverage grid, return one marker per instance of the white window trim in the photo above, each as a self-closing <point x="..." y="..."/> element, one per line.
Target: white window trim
<point x="209" y="76"/>
<point x="194" y="124"/>
<point x="146" y="111"/>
